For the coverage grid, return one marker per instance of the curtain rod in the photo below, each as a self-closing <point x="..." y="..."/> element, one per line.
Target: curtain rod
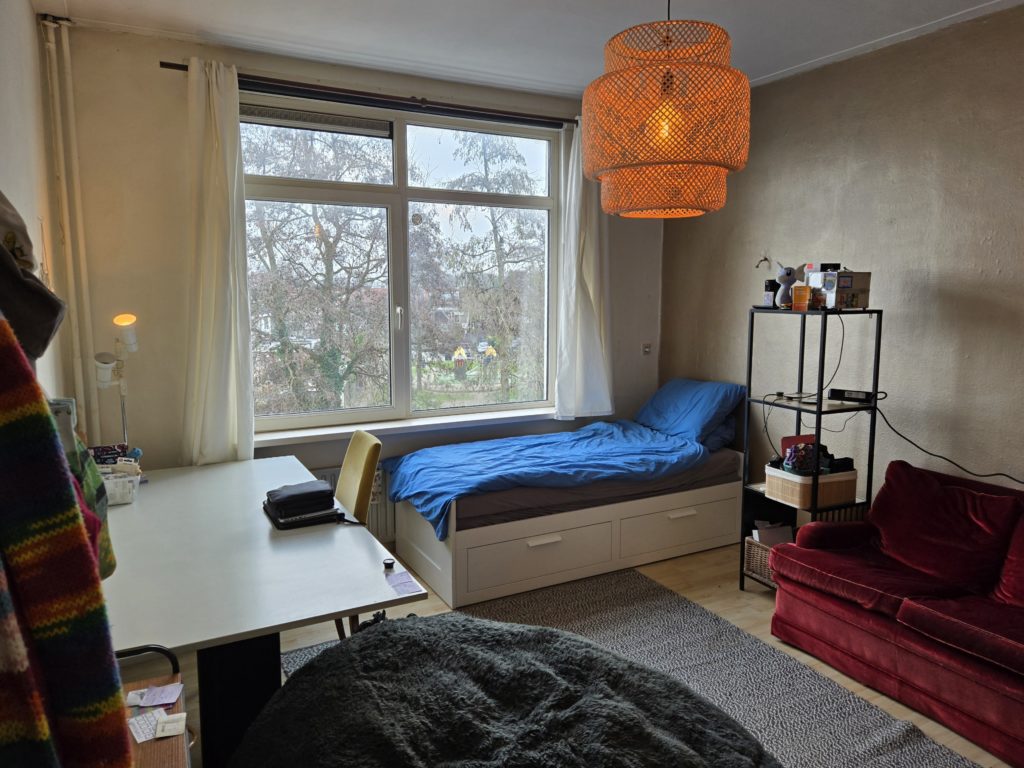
<point x="277" y="87"/>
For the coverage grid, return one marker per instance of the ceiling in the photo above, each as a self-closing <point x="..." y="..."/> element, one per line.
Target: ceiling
<point x="546" y="46"/>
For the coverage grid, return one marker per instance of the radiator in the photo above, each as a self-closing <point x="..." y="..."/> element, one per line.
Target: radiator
<point x="380" y="518"/>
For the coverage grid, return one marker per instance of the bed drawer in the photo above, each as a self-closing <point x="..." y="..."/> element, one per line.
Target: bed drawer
<point x="678" y="527"/>
<point x="519" y="559"/>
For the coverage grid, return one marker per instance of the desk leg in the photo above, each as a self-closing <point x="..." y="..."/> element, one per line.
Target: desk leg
<point x="235" y="682"/>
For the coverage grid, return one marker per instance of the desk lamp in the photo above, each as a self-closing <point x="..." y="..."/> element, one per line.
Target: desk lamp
<point x="110" y="367"/>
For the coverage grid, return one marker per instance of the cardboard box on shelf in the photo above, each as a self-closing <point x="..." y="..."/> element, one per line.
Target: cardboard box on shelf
<point x="842" y="289"/>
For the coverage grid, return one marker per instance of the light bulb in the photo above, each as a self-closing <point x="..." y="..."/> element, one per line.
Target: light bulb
<point x="663" y="123"/>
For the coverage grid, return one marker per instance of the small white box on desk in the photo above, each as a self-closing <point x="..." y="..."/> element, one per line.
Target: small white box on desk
<point x="121" y="487"/>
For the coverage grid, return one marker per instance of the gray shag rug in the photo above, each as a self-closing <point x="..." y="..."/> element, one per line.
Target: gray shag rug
<point x="462" y="692"/>
<point x="802" y="718"/>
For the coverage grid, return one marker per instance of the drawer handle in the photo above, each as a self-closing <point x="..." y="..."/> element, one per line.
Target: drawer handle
<point x="540" y="541"/>
<point x="677" y="513"/>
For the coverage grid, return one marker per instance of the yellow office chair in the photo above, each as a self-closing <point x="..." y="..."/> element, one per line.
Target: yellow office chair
<point x="355" y="483"/>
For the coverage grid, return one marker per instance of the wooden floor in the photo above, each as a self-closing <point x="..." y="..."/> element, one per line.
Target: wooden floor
<point x="708" y="578"/>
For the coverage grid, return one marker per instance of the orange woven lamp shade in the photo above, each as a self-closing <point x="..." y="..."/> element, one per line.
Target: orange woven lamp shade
<point x="667" y="121"/>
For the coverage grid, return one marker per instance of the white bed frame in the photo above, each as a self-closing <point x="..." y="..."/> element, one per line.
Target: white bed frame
<point x="508" y="558"/>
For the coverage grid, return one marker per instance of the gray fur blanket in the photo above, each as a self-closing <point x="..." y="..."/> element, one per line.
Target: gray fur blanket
<point x="453" y="691"/>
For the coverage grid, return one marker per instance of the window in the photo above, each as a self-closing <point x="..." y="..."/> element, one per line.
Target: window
<point x="397" y="266"/>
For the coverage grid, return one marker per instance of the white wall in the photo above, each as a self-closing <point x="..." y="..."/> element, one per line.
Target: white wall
<point x="909" y="163"/>
<point x="23" y="175"/>
<point x="132" y="137"/>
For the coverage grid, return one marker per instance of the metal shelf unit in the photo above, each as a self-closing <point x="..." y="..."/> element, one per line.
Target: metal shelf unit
<point x="755" y="504"/>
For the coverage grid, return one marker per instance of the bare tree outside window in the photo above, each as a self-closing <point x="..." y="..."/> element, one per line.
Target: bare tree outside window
<point x="318" y="291"/>
<point x="298" y="153"/>
<point x="320" y="283"/>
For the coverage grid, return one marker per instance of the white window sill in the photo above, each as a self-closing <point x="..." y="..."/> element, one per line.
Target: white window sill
<point x="401" y="426"/>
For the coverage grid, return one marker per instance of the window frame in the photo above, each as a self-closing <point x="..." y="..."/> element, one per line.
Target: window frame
<point x="395" y="198"/>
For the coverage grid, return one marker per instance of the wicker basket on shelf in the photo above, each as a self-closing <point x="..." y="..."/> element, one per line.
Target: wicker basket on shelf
<point x="795" y="490"/>
<point x="755" y="562"/>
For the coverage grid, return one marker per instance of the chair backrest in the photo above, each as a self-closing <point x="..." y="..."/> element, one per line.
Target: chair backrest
<point x="355" y="481"/>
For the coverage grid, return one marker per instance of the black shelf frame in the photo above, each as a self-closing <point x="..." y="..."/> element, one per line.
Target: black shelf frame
<point x="828" y="407"/>
<point x="818" y="407"/>
<point x="752" y="488"/>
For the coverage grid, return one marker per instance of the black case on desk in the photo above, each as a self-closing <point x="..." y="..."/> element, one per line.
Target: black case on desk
<point x="284" y="524"/>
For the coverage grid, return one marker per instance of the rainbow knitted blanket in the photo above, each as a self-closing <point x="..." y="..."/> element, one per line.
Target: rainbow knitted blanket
<point x="60" y="693"/>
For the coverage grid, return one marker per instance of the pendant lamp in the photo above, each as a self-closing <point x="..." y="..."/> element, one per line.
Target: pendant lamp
<point x="667" y="121"/>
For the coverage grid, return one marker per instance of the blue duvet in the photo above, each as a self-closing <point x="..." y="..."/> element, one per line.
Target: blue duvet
<point x="432" y="478"/>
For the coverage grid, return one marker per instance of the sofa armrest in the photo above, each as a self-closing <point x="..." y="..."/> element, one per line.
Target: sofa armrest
<point x="823" y="535"/>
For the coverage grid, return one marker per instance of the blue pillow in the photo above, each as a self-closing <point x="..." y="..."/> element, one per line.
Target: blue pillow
<point x="690" y="409"/>
<point x="721" y="436"/>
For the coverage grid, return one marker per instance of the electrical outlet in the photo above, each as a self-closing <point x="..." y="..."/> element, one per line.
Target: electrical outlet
<point x="645" y="348"/>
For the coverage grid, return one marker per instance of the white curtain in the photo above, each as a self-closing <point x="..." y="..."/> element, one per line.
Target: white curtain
<point x="218" y="392"/>
<point x="583" y="379"/>
<point x="68" y="188"/>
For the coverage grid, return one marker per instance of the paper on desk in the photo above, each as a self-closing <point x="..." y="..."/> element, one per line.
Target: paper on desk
<point x="403" y="583"/>
<point x="143" y="727"/>
<point x="134" y="698"/>
<point x="170" y="725"/>
<point x="160" y="695"/>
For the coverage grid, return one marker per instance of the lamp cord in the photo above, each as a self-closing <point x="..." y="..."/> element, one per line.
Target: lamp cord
<point x="668" y="12"/>
<point x="945" y="458"/>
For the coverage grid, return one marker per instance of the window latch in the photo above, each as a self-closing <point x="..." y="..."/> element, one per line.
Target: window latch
<point x="398" y="315"/>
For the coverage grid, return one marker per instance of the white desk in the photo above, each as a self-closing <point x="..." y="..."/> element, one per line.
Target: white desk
<point x="200" y="567"/>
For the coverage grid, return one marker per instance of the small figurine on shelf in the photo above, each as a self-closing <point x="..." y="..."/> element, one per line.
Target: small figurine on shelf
<point x="786" y="277"/>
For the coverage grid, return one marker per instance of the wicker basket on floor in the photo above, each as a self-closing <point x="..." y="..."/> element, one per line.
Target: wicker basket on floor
<point x="755" y="562"/>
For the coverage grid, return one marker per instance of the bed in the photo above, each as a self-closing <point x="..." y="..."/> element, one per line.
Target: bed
<point x="487" y="519"/>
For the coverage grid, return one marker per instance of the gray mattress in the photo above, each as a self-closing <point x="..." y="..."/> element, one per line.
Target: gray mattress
<point x="523" y="503"/>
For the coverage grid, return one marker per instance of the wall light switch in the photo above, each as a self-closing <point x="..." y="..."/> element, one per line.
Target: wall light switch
<point x="645" y="348"/>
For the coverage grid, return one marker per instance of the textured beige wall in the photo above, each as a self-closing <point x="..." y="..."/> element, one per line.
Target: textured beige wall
<point x="132" y="135"/>
<point x="23" y="174"/>
<point x="908" y="162"/>
<point x="635" y="249"/>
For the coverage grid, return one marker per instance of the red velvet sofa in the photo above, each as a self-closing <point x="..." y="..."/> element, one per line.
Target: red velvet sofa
<point x="924" y="601"/>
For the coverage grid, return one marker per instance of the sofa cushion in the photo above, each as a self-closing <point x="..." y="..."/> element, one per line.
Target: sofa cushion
<point x="829" y="535"/>
<point x="980" y="626"/>
<point x="864" y="576"/>
<point x="1010" y="588"/>
<point x="956" y="534"/>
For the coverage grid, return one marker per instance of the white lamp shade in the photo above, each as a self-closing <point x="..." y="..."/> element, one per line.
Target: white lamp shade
<point x="105" y="363"/>
<point x="126" y="327"/>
